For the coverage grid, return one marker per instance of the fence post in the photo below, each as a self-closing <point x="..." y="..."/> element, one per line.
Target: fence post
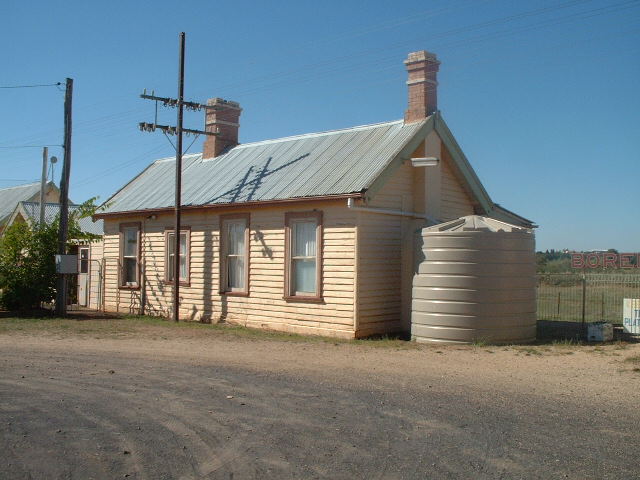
<point x="584" y="303"/>
<point x="558" y="314"/>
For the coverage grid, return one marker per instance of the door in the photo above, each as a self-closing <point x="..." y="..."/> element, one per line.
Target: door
<point x="83" y="276"/>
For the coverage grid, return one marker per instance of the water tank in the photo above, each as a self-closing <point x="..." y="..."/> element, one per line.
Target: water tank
<point x="476" y="283"/>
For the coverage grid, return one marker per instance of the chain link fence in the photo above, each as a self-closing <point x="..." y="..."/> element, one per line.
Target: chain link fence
<point x="585" y="298"/>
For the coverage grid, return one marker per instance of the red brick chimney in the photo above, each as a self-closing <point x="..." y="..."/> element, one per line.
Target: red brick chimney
<point x="423" y="68"/>
<point x="225" y="119"/>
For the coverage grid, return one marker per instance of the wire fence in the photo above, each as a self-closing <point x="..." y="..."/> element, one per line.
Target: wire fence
<point x="591" y="297"/>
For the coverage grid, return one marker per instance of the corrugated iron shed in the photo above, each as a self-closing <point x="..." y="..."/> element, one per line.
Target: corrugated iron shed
<point x="318" y="164"/>
<point x="52" y="211"/>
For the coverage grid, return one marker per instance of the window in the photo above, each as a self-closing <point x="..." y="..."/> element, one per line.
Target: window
<point x="84" y="261"/>
<point x="169" y="273"/>
<point x="130" y="255"/>
<point x="234" y="254"/>
<point x="303" y="268"/>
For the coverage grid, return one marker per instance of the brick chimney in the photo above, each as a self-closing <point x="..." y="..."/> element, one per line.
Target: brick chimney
<point x="224" y="118"/>
<point x="423" y="68"/>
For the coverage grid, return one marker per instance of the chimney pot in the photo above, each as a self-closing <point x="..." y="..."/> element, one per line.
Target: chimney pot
<point x="422" y="68"/>
<point x="223" y="118"/>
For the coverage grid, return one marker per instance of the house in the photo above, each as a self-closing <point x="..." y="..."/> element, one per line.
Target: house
<point x="11" y="196"/>
<point x="310" y="234"/>
<point x="86" y="287"/>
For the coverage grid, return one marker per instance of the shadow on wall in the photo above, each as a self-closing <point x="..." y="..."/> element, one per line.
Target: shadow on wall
<point x="247" y="188"/>
<point x="265" y="250"/>
<point x="208" y="272"/>
<point x="155" y="290"/>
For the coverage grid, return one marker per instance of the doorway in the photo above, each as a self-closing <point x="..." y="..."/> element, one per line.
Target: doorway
<point x="83" y="276"/>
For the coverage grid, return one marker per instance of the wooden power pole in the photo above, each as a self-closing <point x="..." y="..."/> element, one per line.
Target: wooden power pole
<point x="178" y="130"/>
<point x="61" y="290"/>
<point x="43" y="183"/>
<point x="178" y="192"/>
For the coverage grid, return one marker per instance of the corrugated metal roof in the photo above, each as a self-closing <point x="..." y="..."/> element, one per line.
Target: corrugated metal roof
<point x="10" y="197"/>
<point x="318" y="164"/>
<point x="51" y="212"/>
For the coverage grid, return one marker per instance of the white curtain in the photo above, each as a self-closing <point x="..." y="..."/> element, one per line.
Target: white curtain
<point x="304" y="256"/>
<point x="236" y="272"/>
<point x="305" y="239"/>
<point x="235" y="253"/>
<point x="131" y="242"/>
<point x="183" y="255"/>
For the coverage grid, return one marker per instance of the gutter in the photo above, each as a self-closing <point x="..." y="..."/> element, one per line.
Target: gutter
<point x="384" y="211"/>
<point x="228" y="206"/>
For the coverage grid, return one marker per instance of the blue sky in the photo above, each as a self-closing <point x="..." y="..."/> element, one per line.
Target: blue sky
<point x="541" y="95"/>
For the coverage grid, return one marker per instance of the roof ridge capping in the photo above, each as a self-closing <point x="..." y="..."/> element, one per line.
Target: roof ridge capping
<point x="321" y="133"/>
<point x="24" y="185"/>
<point x="28" y="202"/>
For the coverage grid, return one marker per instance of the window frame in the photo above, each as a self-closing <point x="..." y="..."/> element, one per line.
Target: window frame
<point x="289" y="219"/>
<point x="121" y="284"/>
<point x="168" y="231"/>
<point x="80" y="259"/>
<point x="223" y="279"/>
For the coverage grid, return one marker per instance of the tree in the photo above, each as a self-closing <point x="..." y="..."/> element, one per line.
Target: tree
<point x="27" y="259"/>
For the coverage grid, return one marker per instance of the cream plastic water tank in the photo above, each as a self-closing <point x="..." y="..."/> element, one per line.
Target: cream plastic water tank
<point x="476" y="283"/>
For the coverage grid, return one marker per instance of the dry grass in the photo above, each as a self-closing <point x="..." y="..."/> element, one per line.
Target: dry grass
<point x="161" y="328"/>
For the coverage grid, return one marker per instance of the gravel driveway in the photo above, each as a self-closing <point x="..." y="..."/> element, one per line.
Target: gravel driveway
<point x="219" y="407"/>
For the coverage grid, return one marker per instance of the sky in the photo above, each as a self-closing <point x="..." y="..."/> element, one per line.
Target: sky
<point x="543" y="96"/>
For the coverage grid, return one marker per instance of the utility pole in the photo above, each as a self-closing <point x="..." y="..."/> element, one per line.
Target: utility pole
<point x="180" y="104"/>
<point x="43" y="183"/>
<point x="61" y="290"/>
<point x="178" y="201"/>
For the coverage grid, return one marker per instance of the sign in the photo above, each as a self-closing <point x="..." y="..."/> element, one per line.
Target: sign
<point x="631" y="315"/>
<point x="66" y="264"/>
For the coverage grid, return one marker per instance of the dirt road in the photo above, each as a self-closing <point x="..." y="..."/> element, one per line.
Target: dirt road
<point x="195" y="405"/>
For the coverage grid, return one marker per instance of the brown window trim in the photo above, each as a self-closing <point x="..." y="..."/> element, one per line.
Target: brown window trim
<point x="222" y="277"/>
<point x="168" y="230"/>
<point x="288" y="217"/>
<point x="136" y="286"/>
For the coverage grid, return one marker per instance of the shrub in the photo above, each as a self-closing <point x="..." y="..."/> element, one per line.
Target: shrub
<point x="27" y="260"/>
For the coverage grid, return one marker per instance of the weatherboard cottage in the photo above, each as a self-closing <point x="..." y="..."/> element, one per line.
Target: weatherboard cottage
<point x="309" y="234"/>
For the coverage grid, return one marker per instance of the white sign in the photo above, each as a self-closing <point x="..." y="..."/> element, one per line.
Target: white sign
<point x="631" y="315"/>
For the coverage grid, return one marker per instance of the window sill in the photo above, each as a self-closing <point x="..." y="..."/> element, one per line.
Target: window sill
<point x="235" y="294"/>
<point x="129" y="287"/>
<point x="303" y="299"/>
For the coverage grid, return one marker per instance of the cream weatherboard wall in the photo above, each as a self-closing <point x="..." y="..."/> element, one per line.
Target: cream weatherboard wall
<point x="386" y="248"/>
<point x="455" y="202"/>
<point x="265" y="306"/>
<point x="384" y="257"/>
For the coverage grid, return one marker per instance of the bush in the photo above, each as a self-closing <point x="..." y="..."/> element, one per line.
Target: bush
<point x="27" y="260"/>
<point x="27" y="267"/>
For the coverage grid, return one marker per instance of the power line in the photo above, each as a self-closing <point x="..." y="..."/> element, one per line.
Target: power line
<point x="306" y="68"/>
<point x="28" y="146"/>
<point x="307" y="75"/>
<point x="33" y="86"/>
